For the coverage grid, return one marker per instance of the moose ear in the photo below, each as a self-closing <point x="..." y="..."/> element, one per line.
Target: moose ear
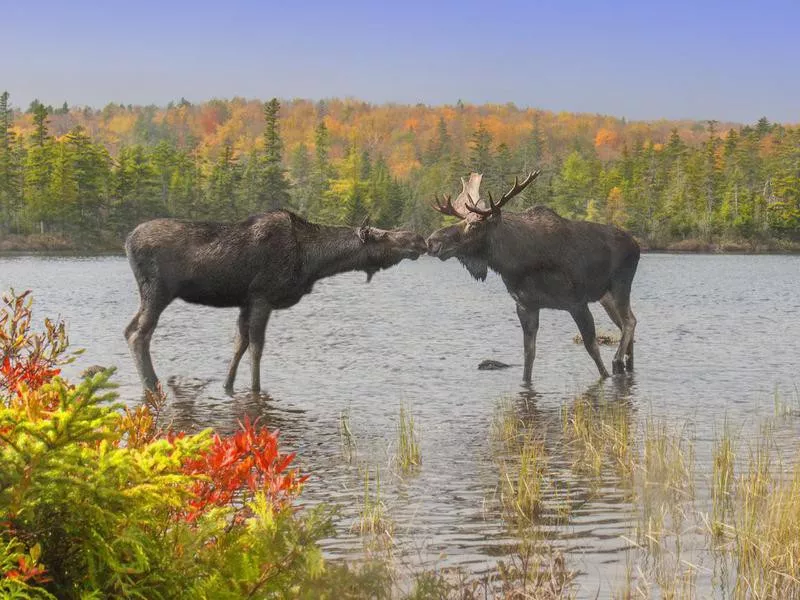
<point x="363" y="230"/>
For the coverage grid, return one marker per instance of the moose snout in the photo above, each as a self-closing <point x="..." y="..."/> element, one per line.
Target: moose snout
<point x="434" y="246"/>
<point x="420" y="245"/>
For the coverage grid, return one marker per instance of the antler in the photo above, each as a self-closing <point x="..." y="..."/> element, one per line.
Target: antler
<point x="494" y="209"/>
<point x="447" y="207"/>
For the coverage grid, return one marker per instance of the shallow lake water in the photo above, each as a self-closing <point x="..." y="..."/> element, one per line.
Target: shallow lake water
<point x="717" y="338"/>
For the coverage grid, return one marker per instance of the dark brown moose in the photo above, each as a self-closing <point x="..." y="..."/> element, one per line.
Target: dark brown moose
<point x="264" y="263"/>
<point x="545" y="261"/>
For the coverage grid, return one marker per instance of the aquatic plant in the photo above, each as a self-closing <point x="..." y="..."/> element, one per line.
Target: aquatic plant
<point x="373" y="518"/>
<point x="409" y="456"/>
<point x="522" y="482"/>
<point x="347" y="440"/>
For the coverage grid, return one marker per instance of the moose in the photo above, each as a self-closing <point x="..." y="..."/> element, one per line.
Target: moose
<point x="545" y="261"/>
<point x="264" y="263"/>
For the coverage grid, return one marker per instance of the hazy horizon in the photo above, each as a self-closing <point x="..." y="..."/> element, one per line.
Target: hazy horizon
<point x="678" y="61"/>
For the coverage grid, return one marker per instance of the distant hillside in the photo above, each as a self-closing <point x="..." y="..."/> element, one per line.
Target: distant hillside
<point x="399" y="133"/>
<point x="80" y="176"/>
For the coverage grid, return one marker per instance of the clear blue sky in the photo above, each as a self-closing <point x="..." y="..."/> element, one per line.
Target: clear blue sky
<point x="642" y="59"/>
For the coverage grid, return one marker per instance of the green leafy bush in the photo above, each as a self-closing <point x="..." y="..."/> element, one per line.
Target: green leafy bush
<point x="96" y="501"/>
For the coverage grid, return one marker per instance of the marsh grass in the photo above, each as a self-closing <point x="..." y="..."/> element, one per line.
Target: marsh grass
<point x="533" y="571"/>
<point x="373" y="519"/>
<point x="739" y="509"/>
<point x="752" y="520"/>
<point x="722" y="480"/>
<point x="604" y="338"/>
<point x="347" y="441"/>
<point x="600" y="436"/>
<point x="764" y="527"/>
<point x="784" y="407"/>
<point x="409" y="455"/>
<point x="522" y="482"/>
<point x="507" y="428"/>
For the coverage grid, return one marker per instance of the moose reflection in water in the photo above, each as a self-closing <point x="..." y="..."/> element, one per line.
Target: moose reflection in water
<point x="264" y="263"/>
<point x="545" y="261"/>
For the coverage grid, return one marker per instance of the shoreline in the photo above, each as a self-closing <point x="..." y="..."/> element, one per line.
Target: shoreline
<point x="48" y="245"/>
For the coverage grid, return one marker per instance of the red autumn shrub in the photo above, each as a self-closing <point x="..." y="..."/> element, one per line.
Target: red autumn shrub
<point x="27" y="358"/>
<point x="234" y="468"/>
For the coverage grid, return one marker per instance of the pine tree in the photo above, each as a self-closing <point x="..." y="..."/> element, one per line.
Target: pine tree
<point x="320" y="171"/>
<point x="38" y="170"/>
<point x="136" y="189"/>
<point x="275" y="191"/>
<point x="505" y="168"/>
<point x="10" y="197"/>
<point x="440" y="145"/>
<point x="224" y="185"/>
<point x="481" y="159"/>
<point x="300" y="167"/>
<point x="711" y="179"/>
<point x="573" y="186"/>
<point x="40" y="133"/>
<point x="91" y="171"/>
<point x="163" y="159"/>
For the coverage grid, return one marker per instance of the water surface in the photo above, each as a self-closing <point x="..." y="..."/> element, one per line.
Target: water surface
<point x="716" y="336"/>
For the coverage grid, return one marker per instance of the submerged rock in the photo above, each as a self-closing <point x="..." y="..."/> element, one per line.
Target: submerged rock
<point x="492" y="365"/>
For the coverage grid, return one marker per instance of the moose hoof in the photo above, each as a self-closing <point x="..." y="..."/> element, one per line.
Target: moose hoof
<point x="629" y="364"/>
<point x="618" y="367"/>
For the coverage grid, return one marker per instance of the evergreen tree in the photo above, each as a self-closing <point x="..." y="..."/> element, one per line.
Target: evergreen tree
<point x="440" y="146"/>
<point x="481" y="159"/>
<point x="38" y="170"/>
<point x="300" y="170"/>
<point x="63" y="191"/>
<point x="321" y="170"/>
<point x="573" y="186"/>
<point x="91" y="172"/>
<point x="40" y="133"/>
<point x="251" y="193"/>
<point x="224" y="186"/>
<point x="136" y="189"/>
<point x="10" y="189"/>
<point x="275" y="191"/>
<point x="162" y="157"/>
<point x="505" y="168"/>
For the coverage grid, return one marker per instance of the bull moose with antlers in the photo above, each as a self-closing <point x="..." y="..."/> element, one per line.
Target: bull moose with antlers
<point x="545" y="261"/>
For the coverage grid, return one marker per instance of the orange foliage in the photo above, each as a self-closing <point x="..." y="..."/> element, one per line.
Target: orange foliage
<point x="27" y="360"/>
<point x="376" y="128"/>
<point x="247" y="460"/>
<point x="606" y="137"/>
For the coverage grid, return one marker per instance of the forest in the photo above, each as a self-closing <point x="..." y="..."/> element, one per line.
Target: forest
<point x="79" y="177"/>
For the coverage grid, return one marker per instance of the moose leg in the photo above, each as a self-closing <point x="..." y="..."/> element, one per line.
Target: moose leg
<point x="529" y="319"/>
<point x="240" y="345"/>
<point x="607" y="301"/>
<point x="133" y="325"/>
<point x="628" y="328"/>
<point x="259" y="316"/>
<point x="140" y="331"/>
<point x="583" y="318"/>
